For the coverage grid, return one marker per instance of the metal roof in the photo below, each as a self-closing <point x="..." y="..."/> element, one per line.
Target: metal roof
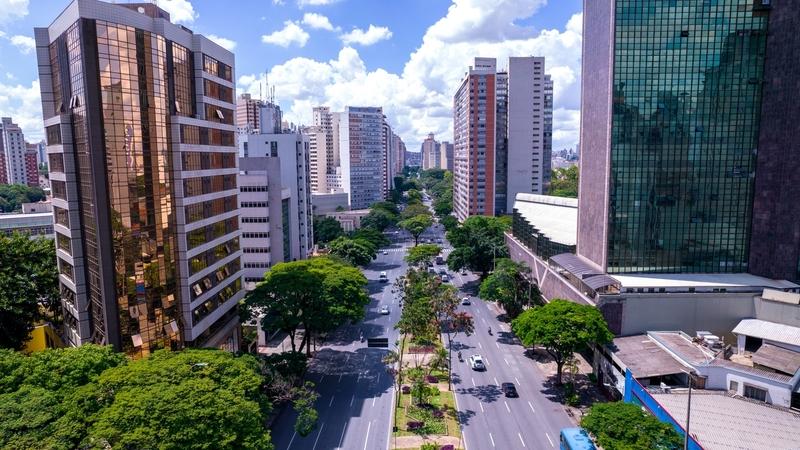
<point x="777" y="358"/>
<point x="772" y="331"/>
<point x="554" y="217"/>
<point x="722" y="422"/>
<point x="644" y="357"/>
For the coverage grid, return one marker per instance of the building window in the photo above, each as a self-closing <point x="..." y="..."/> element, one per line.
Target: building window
<point x="53" y="133"/>
<point x="734" y="387"/>
<point x="63" y="243"/>
<point x="219" y="114"/>
<point x="216" y="68"/>
<point x="55" y="162"/>
<point x="208" y="160"/>
<point x="218" y="91"/>
<point x="61" y="215"/>
<point x="59" y="189"/>
<point x="182" y="74"/>
<point x="755" y="393"/>
<point x="211" y="208"/>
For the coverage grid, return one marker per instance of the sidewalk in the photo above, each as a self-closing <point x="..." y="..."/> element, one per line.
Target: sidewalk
<point x="280" y="342"/>
<point x="415" y="442"/>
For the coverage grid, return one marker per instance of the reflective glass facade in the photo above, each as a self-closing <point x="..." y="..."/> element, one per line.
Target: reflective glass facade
<point x="685" y="120"/>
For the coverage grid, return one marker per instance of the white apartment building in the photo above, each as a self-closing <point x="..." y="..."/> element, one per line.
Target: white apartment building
<point x="361" y="154"/>
<point x="12" y="153"/>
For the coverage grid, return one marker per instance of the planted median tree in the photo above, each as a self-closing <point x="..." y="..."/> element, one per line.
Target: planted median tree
<point x="326" y="229"/>
<point x="319" y="294"/>
<point x="562" y="328"/>
<point x="510" y="286"/>
<point x="477" y="243"/>
<point x="423" y="254"/>
<point x="357" y="252"/>
<point x="624" y="426"/>
<point x="417" y="225"/>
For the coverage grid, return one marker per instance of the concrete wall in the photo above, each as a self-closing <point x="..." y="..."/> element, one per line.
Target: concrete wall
<point x="720" y="378"/>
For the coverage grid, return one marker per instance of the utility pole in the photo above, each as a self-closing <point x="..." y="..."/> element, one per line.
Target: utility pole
<point x="688" y="413"/>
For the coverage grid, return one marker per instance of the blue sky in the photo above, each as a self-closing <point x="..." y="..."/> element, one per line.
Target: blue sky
<point x="407" y="56"/>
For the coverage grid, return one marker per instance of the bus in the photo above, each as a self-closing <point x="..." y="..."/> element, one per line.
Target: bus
<point x="576" y="439"/>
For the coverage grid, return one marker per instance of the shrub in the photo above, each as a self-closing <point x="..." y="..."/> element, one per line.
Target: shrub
<point x="406" y="389"/>
<point x="429" y="446"/>
<point x="414" y="425"/>
<point x="447" y="447"/>
<point x="431" y="378"/>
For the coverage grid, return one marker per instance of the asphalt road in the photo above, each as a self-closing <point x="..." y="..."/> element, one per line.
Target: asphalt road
<point x="356" y="392"/>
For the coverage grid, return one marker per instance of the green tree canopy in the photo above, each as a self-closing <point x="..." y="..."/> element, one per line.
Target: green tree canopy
<point x="477" y="243"/>
<point x="12" y="196"/>
<point x="414" y="195"/>
<point x="422" y="254"/>
<point x="379" y="219"/>
<point x="413" y="210"/>
<point x="562" y="328"/>
<point x="28" y="286"/>
<point x="624" y="426"/>
<point x="326" y="229"/>
<point x="443" y="206"/>
<point x="449" y="223"/>
<point x="417" y="225"/>
<point x="375" y="237"/>
<point x="357" y="252"/>
<point x="564" y="182"/>
<point x="318" y="293"/>
<point x="509" y="286"/>
<point x="389" y="207"/>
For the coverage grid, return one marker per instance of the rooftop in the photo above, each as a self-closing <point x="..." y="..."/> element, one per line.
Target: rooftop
<point x="772" y="331"/>
<point x="681" y="345"/>
<point x="777" y="358"/>
<point x="702" y="280"/>
<point x="644" y="357"/>
<point x="722" y="422"/>
<point x="554" y="217"/>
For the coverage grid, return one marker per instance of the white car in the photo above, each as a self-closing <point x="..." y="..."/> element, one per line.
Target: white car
<point x="383" y="278"/>
<point x="465" y="301"/>
<point x="445" y="279"/>
<point x="385" y="310"/>
<point x="385" y="252"/>
<point x="476" y="362"/>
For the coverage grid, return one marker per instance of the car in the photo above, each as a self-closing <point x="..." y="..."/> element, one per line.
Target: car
<point x="385" y="310"/>
<point x="476" y="362"/>
<point x="383" y="278"/>
<point x="465" y="301"/>
<point x="432" y="270"/>
<point x="442" y="271"/>
<point x="445" y="279"/>
<point x="509" y="390"/>
<point x="464" y="272"/>
<point x="385" y="252"/>
<point x="438" y="241"/>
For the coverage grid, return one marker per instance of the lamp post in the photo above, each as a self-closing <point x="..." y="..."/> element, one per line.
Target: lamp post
<point x="688" y="412"/>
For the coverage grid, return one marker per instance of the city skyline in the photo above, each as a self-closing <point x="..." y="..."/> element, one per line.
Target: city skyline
<point x="337" y="74"/>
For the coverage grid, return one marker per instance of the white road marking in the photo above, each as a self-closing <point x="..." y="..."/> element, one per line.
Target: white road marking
<point x="480" y="403"/>
<point x="483" y="320"/>
<point x="318" y="434"/>
<point x="373" y="401"/>
<point x="473" y="382"/>
<point x="495" y="382"/>
<point x="367" y="438"/>
<point x="520" y="439"/>
<point x="496" y="345"/>
<point x="507" y="408"/>
<point x="331" y="402"/>
<point x="517" y="380"/>
<point x="506" y="362"/>
<point x="548" y="438"/>
<point x="491" y="439"/>
<point x="479" y="345"/>
<point x="340" y="377"/>
<point x="291" y="440"/>
<point x="352" y="398"/>
<point x="341" y="438"/>
<point x="532" y="410"/>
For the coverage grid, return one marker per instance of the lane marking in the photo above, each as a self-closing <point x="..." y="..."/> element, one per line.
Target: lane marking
<point x="480" y="345"/>
<point x="341" y="438"/>
<point x="321" y="378"/>
<point x="548" y="438"/>
<point x="532" y="410"/>
<point x="352" y="398"/>
<point x="373" y="401"/>
<point x="497" y="345"/>
<point x="367" y="438"/>
<point x="509" y="365"/>
<point x="473" y="382"/>
<point x="291" y="440"/>
<point x="480" y="403"/>
<point x="491" y="439"/>
<point x="318" y="435"/>
<point x="520" y="439"/>
<point x="507" y="408"/>
<point x="340" y="377"/>
<point x="495" y="382"/>
<point x="517" y="380"/>
<point x="331" y="402"/>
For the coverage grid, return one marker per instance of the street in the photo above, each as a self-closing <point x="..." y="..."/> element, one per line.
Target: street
<point x="356" y="392"/>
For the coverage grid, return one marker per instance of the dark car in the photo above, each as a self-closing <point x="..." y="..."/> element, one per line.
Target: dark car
<point x="509" y="390"/>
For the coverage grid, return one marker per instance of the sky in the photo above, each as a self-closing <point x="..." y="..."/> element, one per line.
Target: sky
<point x="408" y="56"/>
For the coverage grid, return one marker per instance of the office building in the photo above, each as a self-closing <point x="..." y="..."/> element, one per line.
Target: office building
<point x="446" y="156"/>
<point x="31" y="164"/>
<point x="247" y="117"/>
<point x="474" y="129"/>
<point x="431" y="157"/>
<point x="274" y="199"/>
<point x="324" y="155"/>
<point x="501" y="143"/>
<point x="14" y="154"/>
<point x="139" y="119"/>
<point x="361" y="154"/>
<point x="400" y="154"/>
<point x="413" y="159"/>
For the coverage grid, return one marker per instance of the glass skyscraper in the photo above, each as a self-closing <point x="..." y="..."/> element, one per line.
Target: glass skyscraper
<point x="672" y="112"/>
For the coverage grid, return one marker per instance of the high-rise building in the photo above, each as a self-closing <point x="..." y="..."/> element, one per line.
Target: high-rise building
<point x="501" y="174"/>
<point x="31" y="164"/>
<point x="688" y="137"/>
<point x="446" y="156"/>
<point x="400" y="154"/>
<point x="324" y="155"/>
<point x="413" y="159"/>
<point x="247" y="117"/>
<point x="275" y="199"/>
<point x="430" y="151"/>
<point x="361" y="154"/>
<point x="528" y="145"/>
<point x="139" y="119"/>
<point x="474" y="129"/>
<point x="13" y="154"/>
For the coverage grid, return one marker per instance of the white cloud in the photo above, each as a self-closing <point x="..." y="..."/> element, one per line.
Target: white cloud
<point x="419" y="99"/>
<point x="25" y="44"/>
<point x="290" y="34"/>
<point x="302" y="3"/>
<point x="23" y="104"/>
<point x="225" y="43"/>
<point x="318" y="21"/>
<point x="180" y="11"/>
<point x="278" y="3"/>
<point x="371" y="36"/>
<point x="10" y="76"/>
<point x="11" y="10"/>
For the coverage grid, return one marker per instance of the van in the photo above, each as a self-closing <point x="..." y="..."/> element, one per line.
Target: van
<point x="383" y="278"/>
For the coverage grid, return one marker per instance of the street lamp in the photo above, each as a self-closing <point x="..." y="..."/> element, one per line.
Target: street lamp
<point x="688" y="410"/>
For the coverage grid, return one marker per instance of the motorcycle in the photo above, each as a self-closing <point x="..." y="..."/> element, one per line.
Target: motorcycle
<point x="459" y="357"/>
<point x="490" y="330"/>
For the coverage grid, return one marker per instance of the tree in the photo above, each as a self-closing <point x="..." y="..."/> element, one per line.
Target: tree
<point x="326" y="229"/>
<point x="318" y="293"/>
<point x="562" y="328"/>
<point x="624" y="426"/>
<point x="413" y="195"/>
<point x="509" y="285"/>
<point x="12" y="196"/>
<point x="423" y="254"/>
<point x="389" y="207"/>
<point x="564" y="182"/>
<point x="413" y="210"/>
<point x="449" y="223"/>
<point x="443" y="206"/>
<point x="304" y="398"/>
<point x="28" y="286"/>
<point x="379" y="219"/>
<point x="373" y="236"/>
<point x="477" y="243"/>
<point x="357" y="252"/>
<point x="417" y="225"/>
